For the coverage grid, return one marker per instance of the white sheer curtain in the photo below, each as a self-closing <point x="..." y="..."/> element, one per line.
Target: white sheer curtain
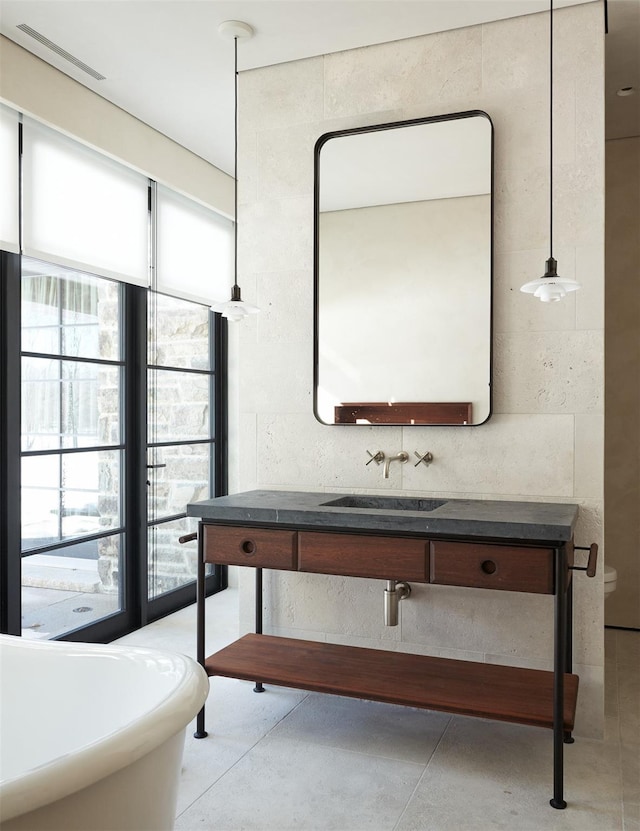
<point x="82" y="209"/>
<point x="195" y="250"/>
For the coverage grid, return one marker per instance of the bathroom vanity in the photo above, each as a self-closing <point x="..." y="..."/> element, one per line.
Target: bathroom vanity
<point x="504" y="546"/>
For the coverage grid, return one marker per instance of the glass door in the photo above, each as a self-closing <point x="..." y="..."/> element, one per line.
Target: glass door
<point x="181" y="435"/>
<point x="72" y="446"/>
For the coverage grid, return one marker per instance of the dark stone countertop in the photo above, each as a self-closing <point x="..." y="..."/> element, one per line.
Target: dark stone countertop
<point x="543" y="522"/>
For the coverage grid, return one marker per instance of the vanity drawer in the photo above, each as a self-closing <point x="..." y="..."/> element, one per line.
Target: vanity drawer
<point x="362" y="556"/>
<point x="510" y="568"/>
<point x="257" y="547"/>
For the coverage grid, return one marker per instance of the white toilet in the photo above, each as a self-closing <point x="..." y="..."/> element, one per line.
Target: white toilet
<point x="610" y="580"/>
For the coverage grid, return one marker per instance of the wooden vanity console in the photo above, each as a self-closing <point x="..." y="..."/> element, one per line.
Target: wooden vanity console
<point x="505" y="554"/>
<point x="478" y="689"/>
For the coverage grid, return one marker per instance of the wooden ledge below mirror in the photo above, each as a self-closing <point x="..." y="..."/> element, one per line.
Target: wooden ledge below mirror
<point x="440" y="412"/>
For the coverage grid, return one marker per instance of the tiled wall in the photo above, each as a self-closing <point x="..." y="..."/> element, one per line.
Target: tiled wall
<point x="545" y="439"/>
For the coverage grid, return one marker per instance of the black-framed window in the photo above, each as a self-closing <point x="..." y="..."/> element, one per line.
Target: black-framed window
<point x="181" y="427"/>
<point x="99" y="554"/>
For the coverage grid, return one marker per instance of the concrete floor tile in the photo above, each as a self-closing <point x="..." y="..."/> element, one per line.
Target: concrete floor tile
<point x="178" y="631"/>
<point x="371" y="727"/>
<point x="235" y="718"/>
<point x="610" y="644"/>
<point x="486" y="775"/>
<point x="233" y="710"/>
<point x="629" y="705"/>
<point x="286" y="786"/>
<point x="631" y="817"/>
<point x="611" y="691"/>
<point x="630" y="766"/>
<point x="628" y="649"/>
<point x="203" y="764"/>
<point x="612" y="729"/>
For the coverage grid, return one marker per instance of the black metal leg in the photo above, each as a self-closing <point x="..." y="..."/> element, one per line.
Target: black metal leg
<point x="559" y="667"/>
<point x="258" y="687"/>
<point x="568" y="738"/>
<point x="200" y="733"/>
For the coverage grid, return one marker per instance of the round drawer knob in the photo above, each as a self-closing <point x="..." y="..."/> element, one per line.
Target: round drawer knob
<point x="248" y="547"/>
<point x="489" y="567"/>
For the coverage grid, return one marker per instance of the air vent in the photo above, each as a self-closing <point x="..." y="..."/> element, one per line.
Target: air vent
<point x="60" y="51"/>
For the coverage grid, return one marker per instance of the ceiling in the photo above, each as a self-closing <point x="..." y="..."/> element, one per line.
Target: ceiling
<point x="164" y="62"/>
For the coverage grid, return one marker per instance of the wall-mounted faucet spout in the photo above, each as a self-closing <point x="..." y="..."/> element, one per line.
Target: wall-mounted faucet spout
<point x="402" y="457"/>
<point x="393" y="594"/>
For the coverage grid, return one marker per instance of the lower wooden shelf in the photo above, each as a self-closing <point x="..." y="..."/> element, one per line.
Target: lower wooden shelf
<point x="514" y="694"/>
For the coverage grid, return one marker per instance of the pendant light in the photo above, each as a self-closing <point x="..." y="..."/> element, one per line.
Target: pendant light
<point x="235" y="309"/>
<point x="550" y="287"/>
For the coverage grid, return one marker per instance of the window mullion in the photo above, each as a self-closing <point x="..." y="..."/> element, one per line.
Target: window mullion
<point x="219" y="427"/>
<point x="135" y="421"/>
<point x="61" y="301"/>
<point x="10" y="567"/>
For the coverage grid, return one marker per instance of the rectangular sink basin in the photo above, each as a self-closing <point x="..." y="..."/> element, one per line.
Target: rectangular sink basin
<point x="385" y="503"/>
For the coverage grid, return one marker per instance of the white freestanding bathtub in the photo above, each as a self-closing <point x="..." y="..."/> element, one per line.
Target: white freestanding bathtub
<point x="91" y="735"/>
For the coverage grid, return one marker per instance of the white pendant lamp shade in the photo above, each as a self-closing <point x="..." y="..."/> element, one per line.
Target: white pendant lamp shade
<point x="235" y="312"/>
<point x="235" y="309"/>
<point x="550" y="287"/>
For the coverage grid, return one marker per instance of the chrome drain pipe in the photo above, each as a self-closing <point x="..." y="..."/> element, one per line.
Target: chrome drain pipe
<point x="393" y="594"/>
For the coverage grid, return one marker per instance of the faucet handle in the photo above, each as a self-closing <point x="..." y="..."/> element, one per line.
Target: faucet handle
<point x="377" y="457"/>
<point x="426" y="458"/>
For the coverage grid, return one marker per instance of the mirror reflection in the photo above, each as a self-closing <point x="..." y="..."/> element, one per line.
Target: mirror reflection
<point x="403" y="242"/>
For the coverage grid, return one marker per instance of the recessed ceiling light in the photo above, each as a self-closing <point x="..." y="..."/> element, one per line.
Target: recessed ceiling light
<point x="624" y="91"/>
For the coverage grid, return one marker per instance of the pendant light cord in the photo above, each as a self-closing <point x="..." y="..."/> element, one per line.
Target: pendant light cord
<point x="551" y="128"/>
<point x="235" y="163"/>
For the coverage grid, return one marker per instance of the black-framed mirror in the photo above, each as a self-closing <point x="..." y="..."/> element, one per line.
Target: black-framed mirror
<point x="403" y="251"/>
